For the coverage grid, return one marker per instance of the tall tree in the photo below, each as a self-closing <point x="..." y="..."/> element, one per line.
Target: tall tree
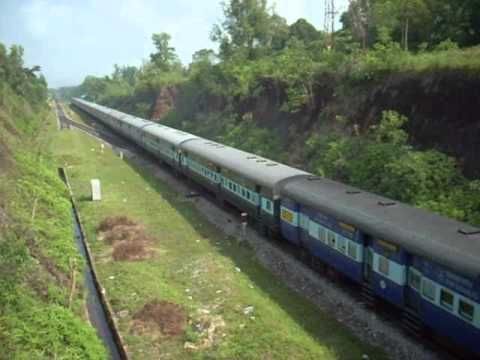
<point x="304" y="31"/>
<point x="165" y="57"/>
<point x="410" y="12"/>
<point x="358" y="18"/>
<point x="401" y="18"/>
<point x="245" y="29"/>
<point x="458" y="20"/>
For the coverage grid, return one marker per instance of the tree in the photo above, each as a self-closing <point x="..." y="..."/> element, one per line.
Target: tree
<point x="304" y="31"/>
<point x="165" y="58"/>
<point x="245" y="29"/>
<point x="204" y="56"/>
<point x="401" y="17"/>
<point x="458" y="20"/>
<point x="409" y="11"/>
<point x="128" y="74"/>
<point x="357" y="19"/>
<point x="23" y="80"/>
<point x="279" y="33"/>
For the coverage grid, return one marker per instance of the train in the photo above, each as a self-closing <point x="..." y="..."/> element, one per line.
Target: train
<point x="425" y="265"/>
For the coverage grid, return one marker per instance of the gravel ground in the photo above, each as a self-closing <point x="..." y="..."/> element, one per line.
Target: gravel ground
<point x="322" y="292"/>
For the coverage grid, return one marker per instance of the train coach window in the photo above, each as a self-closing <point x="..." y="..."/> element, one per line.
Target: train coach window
<point x="414" y="279"/>
<point x="322" y="234"/>
<point x="269" y="205"/>
<point x="342" y="244"/>
<point x="304" y="221"/>
<point x="383" y="265"/>
<point x="428" y="289"/>
<point x="352" y="250"/>
<point x="446" y="299"/>
<point x="466" y="310"/>
<point x="331" y="238"/>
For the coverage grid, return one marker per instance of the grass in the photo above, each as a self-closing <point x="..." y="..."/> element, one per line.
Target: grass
<point x="465" y="59"/>
<point x="378" y="64"/>
<point x="37" y="320"/>
<point x="197" y="267"/>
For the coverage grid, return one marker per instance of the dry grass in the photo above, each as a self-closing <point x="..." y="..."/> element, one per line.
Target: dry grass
<point x="170" y="318"/>
<point x="122" y="233"/>
<point x="128" y="238"/>
<point x="113" y="221"/>
<point x="130" y="251"/>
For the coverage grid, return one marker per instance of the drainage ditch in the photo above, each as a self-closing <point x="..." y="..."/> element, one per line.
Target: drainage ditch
<point x="98" y="310"/>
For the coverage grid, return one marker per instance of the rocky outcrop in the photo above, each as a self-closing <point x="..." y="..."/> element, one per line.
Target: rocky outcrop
<point x="164" y="103"/>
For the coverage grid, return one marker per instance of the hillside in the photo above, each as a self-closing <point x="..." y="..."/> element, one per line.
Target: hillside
<point x="42" y="315"/>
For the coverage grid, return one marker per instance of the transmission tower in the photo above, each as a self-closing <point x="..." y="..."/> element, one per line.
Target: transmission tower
<point x="329" y="22"/>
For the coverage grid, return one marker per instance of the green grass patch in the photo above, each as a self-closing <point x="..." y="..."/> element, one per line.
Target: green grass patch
<point x="196" y="266"/>
<point x="37" y="249"/>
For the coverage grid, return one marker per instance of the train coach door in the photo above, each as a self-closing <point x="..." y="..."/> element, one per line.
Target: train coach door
<point x="368" y="260"/>
<point x="413" y="286"/>
<point x="181" y="158"/>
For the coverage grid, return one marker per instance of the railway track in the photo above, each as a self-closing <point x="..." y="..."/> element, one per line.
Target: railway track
<point x="378" y="308"/>
<point x="96" y="130"/>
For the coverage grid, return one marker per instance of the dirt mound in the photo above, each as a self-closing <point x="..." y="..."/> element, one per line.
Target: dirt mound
<point x="170" y="318"/>
<point x="122" y="233"/>
<point x="130" y="251"/>
<point x="130" y="243"/>
<point x="113" y="221"/>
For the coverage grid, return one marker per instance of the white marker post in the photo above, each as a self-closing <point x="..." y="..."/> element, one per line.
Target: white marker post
<point x="96" y="192"/>
<point x="243" y="225"/>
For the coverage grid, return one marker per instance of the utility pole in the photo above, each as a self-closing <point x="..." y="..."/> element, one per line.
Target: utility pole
<point x="329" y="23"/>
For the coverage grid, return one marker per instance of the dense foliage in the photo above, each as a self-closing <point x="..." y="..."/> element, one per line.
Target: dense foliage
<point x="23" y="81"/>
<point x="263" y="59"/>
<point x="382" y="161"/>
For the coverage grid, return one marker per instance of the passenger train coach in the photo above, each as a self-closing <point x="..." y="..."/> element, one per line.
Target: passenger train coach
<point x="425" y="264"/>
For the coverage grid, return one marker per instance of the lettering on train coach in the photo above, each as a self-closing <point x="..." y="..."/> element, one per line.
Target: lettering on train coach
<point x="287" y="215"/>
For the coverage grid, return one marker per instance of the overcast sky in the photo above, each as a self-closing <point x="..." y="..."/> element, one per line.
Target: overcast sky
<point x="70" y="39"/>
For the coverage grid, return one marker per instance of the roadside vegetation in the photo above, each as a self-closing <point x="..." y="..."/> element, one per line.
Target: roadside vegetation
<point x="183" y="289"/>
<point x="41" y="315"/>
<point x="265" y="69"/>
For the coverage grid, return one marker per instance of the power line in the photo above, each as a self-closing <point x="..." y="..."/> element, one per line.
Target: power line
<point x="329" y="22"/>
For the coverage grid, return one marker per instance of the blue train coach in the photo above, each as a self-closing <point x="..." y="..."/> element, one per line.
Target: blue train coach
<point x="421" y="262"/>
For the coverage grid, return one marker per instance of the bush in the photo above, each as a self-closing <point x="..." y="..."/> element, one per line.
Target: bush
<point x="384" y="162"/>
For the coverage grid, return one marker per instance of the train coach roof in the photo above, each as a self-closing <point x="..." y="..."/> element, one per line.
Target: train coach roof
<point x="445" y="241"/>
<point x="126" y="118"/>
<point x="260" y="170"/>
<point x="171" y="135"/>
<point x="166" y="133"/>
